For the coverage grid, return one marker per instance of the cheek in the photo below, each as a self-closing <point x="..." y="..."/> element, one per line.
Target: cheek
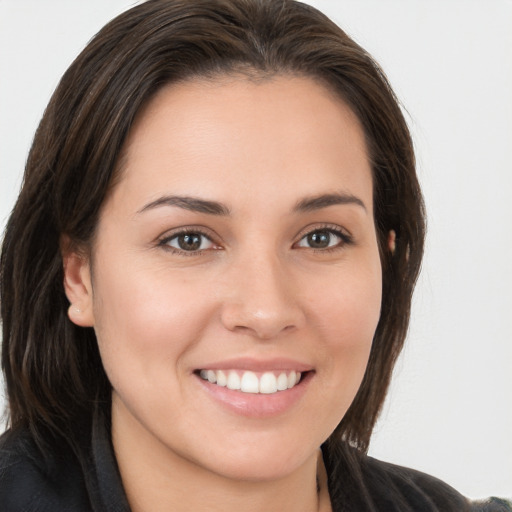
<point x="348" y="306"/>
<point x="146" y="320"/>
<point x="344" y="311"/>
<point x="346" y="316"/>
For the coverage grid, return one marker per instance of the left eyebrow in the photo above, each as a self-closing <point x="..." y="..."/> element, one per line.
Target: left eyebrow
<point x="194" y="204"/>
<point x="324" y="200"/>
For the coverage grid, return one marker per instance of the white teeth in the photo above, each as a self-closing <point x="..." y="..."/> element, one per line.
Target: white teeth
<point x="282" y="382"/>
<point x="268" y="383"/>
<point x="233" y="380"/>
<point x="222" y="380"/>
<point x="249" y="383"/>
<point x="292" y="379"/>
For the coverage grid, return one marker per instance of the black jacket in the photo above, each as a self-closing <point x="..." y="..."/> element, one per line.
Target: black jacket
<point x="61" y="481"/>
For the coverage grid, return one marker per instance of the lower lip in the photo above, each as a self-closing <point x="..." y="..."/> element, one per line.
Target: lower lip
<point x="257" y="405"/>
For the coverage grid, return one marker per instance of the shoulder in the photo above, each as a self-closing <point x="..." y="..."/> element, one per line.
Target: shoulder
<point x="425" y="492"/>
<point x="31" y="481"/>
<point x="416" y="490"/>
<point x="492" y="505"/>
<point x="366" y="483"/>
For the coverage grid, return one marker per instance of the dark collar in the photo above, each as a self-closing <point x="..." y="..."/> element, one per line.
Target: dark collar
<point x="105" y="486"/>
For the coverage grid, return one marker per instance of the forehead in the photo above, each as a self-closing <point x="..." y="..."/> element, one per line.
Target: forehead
<point x="280" y="136"/>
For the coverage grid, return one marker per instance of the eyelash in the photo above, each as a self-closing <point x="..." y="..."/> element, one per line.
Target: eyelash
<point x="163" y="242"/>
<point x="346" y="239"/>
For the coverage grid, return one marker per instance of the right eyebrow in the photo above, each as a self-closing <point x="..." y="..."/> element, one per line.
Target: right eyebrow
<point x="325" y="200"/>
<point x="194" y="204"/>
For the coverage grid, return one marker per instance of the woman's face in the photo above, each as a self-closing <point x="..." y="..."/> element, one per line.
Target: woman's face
<point x="237" y="249"/>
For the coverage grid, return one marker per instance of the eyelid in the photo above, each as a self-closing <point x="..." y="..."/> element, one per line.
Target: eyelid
<point x="163" y="240"/>
<point x="343" y="233"/>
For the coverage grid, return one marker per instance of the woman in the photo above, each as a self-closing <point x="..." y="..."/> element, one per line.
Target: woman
<point x="208" y="273"/>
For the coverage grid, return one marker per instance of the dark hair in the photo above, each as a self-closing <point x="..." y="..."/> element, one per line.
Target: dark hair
<point x="53" y="370"/>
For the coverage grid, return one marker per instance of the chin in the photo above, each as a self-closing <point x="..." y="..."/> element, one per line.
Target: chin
<point x="261" y="462"/>
<point x="258" y="470"/>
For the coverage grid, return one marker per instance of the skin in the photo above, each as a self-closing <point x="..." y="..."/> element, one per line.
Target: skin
<point x="257" y="289"/>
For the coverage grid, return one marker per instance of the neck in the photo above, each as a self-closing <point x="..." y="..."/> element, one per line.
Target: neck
<point x="157" y="479"/>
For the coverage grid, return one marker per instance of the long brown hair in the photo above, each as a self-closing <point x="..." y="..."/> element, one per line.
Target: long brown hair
<point x="52" y="368"/>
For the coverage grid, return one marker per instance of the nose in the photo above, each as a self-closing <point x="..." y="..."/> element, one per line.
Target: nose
<point x="261" y="298"/>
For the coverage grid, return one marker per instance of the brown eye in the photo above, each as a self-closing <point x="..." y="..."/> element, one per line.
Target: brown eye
<point x="322" y="239"/>
<point x="189" y="242"/>
<point x="319" y="239"/>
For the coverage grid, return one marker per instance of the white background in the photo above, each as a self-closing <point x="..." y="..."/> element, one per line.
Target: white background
<point x="449" y="412"/>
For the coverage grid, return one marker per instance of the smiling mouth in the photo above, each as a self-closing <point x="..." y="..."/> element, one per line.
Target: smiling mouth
<point x="252" y="382"/>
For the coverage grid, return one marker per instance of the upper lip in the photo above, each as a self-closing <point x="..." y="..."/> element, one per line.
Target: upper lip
<point x="258" y="365"/>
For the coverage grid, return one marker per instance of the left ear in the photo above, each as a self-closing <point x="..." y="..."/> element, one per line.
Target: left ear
<point x="77" y="285"/>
